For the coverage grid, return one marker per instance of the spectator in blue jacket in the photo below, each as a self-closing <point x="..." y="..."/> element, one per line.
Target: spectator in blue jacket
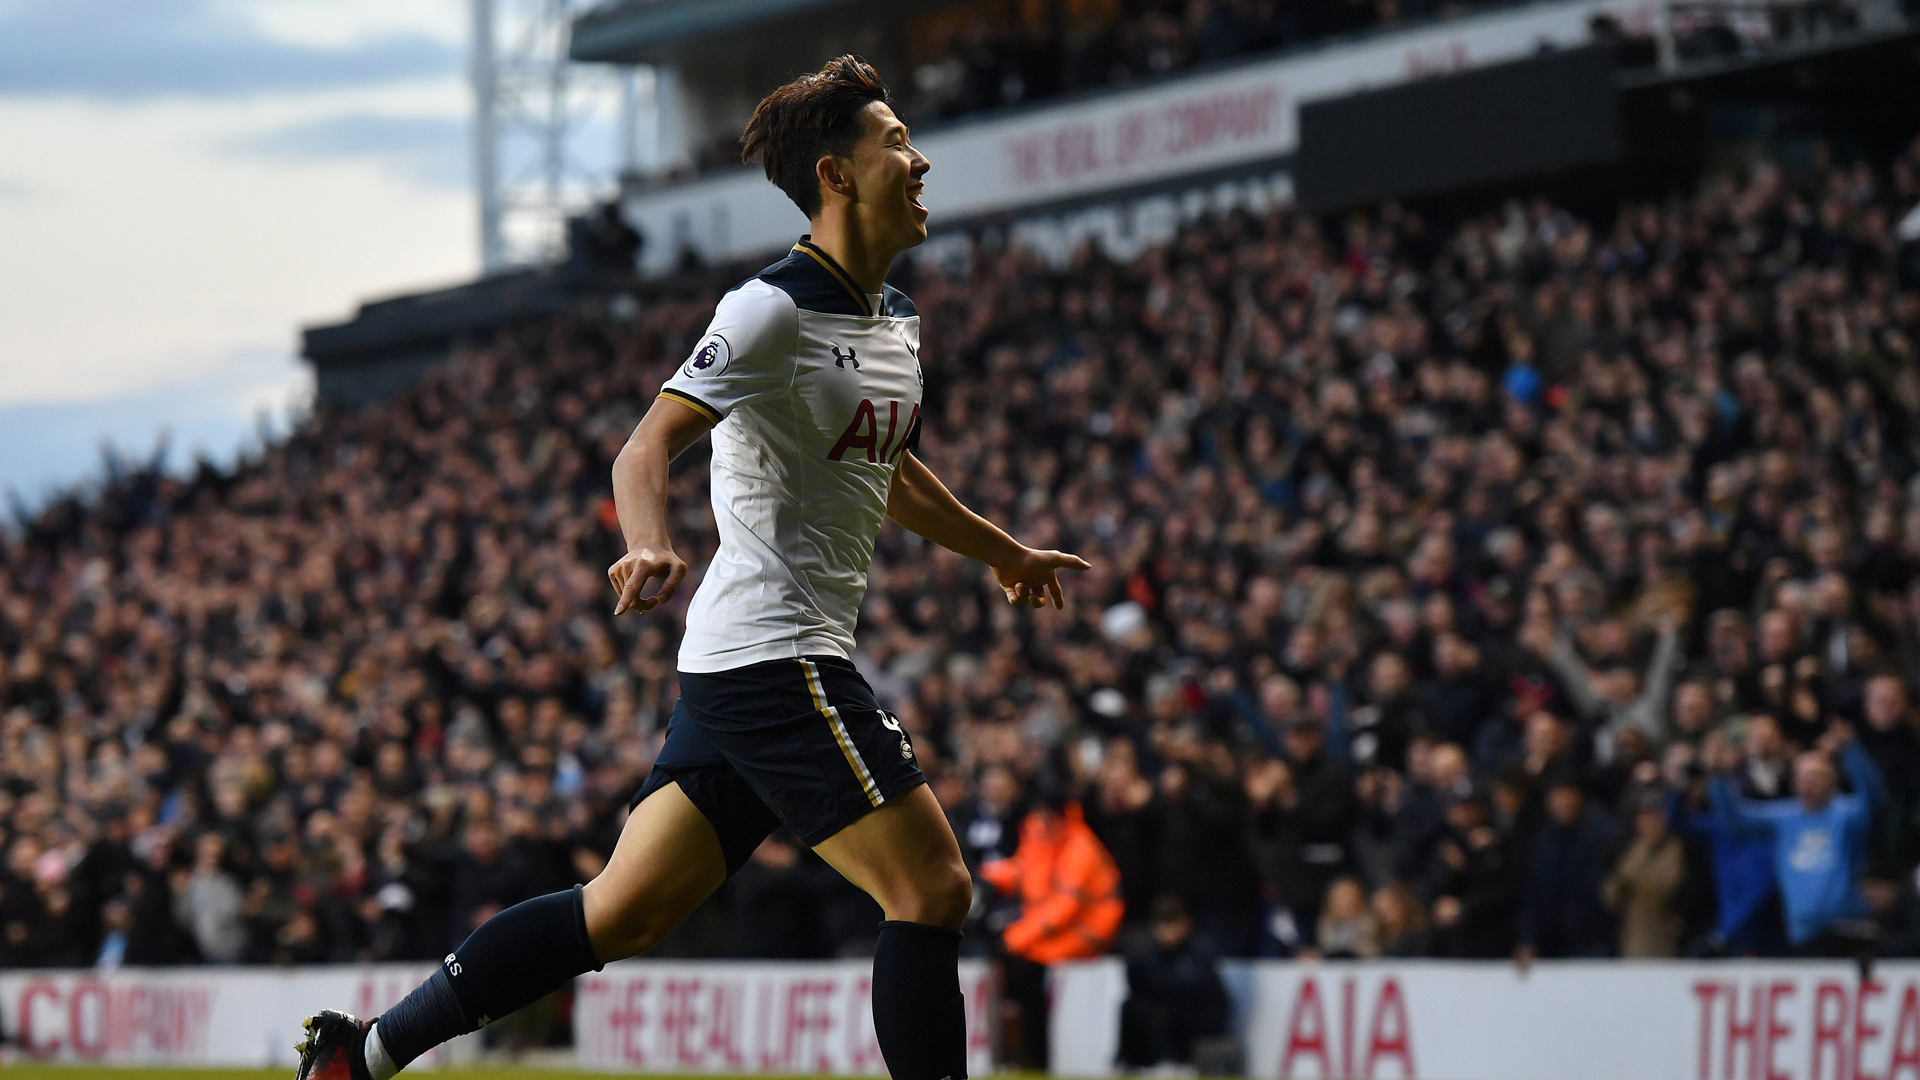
<point x="1747" y="918"/>
<point x="1820" y="839"/>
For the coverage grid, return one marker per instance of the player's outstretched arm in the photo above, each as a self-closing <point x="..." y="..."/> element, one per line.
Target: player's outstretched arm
<point x="920" y="502"/>
<point x="640" y="498"/>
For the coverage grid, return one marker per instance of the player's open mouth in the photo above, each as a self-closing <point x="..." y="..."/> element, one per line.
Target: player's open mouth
<point x="913" y="199"/>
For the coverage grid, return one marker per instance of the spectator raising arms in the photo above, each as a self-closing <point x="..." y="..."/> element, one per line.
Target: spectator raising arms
<point x="1819" y="839"/>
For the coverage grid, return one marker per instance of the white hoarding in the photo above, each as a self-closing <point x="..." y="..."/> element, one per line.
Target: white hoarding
<point x="1431" y="1020"/>
<point x="1240" y="116"/>
<point x="747" y="1017"/>
<point x="1570" y="1020"/>
<point x="187" y="1016"/>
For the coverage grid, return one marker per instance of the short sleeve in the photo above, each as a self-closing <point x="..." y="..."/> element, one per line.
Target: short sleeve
<point x="745" y="355"/>
<point x="912" y="441"/>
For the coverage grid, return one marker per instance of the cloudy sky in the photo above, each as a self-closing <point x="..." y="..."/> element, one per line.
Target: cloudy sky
<point x="184" y="183"/>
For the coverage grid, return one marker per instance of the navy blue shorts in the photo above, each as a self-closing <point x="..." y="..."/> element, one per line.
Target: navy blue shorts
<point x="801" y="743"/>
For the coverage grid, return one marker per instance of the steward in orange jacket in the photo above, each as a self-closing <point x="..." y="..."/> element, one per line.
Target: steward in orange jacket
<point x="1068" y="886"/>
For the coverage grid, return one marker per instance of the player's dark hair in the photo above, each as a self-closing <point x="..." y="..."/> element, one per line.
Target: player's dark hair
<point x="810" y="116"/>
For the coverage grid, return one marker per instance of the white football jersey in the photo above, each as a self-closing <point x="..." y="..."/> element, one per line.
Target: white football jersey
<point x="814" y="390"/>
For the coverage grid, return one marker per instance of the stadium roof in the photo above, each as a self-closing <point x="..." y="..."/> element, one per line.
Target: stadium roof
<point x="640" y="31"/>
<point x="388" y="343"/>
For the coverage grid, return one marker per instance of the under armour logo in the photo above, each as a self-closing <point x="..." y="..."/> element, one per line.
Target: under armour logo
<point x="842" y="361"/>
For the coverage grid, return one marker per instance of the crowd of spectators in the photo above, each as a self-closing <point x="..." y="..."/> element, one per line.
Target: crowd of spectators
<point x="978" y="57"/>
<point x="1013" y="53"/>
<point x="1036" y="51"/>
<point x="1507" y="588"/>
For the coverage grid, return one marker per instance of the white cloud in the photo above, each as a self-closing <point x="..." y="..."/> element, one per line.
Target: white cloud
<point x="133" y="49"/>
<point x="429" y="149"/>
<point x="338" y="24"/>
<point x="168" y="231"/>
<point x="148" y="249"/>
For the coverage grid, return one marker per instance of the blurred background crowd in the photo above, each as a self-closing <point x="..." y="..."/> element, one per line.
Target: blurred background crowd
<point x="970" y="58"/>
<point x="1517" y="586"/>
<point x="967" y="59"/>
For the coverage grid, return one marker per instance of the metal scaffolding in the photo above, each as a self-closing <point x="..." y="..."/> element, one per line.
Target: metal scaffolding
<point x="549" y="136"/>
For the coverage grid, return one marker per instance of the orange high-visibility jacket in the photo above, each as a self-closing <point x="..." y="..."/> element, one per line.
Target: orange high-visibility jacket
<point x="1068" y="886"/>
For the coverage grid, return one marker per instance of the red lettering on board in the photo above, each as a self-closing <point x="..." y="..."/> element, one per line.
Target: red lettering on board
<point x="1776" y="1030"/>
<point x="1705" y="993"/>
<point x="1743" y="1035"/>
<point x="723" y="1030"/>
<point x="1391" y="1035"/>
<point x="1306" y="1029"/>
<point x="94" y="1047"/>
<point x="1906" y="1036"/>
<point x="38" y="988"/>
<point x="1864" y="1031"/>
<point x="1829" y="1030"/>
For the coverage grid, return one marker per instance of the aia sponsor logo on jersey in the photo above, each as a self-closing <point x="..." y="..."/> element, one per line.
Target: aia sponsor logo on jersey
<point x="864" y="432"/>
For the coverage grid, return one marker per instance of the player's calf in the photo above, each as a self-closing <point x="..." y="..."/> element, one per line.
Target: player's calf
<point x="511" y="961"/>
<point x="667" y="861"/>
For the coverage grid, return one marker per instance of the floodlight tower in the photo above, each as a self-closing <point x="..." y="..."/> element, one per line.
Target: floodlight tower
<point x="547" y="133"/>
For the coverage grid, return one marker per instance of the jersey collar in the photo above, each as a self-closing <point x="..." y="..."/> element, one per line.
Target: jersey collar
<point x="806" y="246"/>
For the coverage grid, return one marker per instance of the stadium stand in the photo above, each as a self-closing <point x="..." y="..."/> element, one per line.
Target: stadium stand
<point x="974" y="58"/>
<point x="969" y="60"/>
<point x="955" y="60"/>
<point x="1433" y="561"/>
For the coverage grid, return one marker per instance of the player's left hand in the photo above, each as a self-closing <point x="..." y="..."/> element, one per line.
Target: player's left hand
<point x="1033" y="579"/>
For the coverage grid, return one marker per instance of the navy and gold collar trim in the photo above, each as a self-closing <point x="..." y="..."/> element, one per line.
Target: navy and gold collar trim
<point x="833" y="269"/>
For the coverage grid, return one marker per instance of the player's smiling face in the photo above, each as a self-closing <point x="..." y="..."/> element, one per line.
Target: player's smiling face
<point x="889" y="173"/>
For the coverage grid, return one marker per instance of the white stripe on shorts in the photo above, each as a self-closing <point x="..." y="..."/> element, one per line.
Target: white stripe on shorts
<point x="859" y="764"/>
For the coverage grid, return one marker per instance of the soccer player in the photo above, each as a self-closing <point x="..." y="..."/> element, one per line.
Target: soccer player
<point x="809" y="380"/>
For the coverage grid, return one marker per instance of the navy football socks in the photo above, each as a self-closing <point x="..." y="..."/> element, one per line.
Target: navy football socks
<point x="919" y="1016"/>
<point x="532" y="949"/>
<point x="511" y="961"/>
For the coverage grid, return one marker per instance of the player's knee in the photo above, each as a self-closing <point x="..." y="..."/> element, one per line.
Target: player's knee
<point x="945" y="895"/>
<point x="623" y="927"/>
<point x="631" y="935"/>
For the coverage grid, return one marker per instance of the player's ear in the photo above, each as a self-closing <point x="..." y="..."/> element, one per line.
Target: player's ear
<point x="834" y="174"/>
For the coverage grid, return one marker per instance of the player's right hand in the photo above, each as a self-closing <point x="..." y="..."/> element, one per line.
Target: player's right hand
<point x="639" y="566"/>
